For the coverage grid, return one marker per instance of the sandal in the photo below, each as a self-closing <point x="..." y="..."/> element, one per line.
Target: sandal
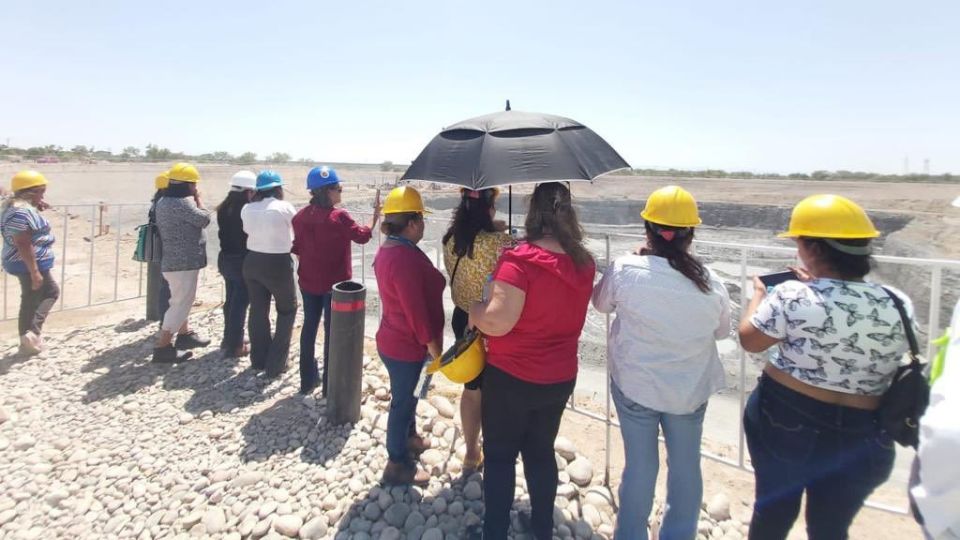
<point x="472" y="466"/>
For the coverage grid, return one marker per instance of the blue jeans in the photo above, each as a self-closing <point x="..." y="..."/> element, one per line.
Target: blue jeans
<point x="315" y="306"/>
<point x="640" y="427"/>
<point x="837" y="455"/>
<point x="403" y="406"/>
<point x="235" y="302"/>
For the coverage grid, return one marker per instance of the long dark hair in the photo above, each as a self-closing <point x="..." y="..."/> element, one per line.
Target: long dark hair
<point x="848" y="266"/>
<point x="232" y="203"/>
<point x="470" y="217"/>
<point x="551" y="213"/>
<point x="673" y="243"/>
<point x="321" y="196"/>
<point x="276" y="193"/>
<point x="178" y="190"/>
<point x="156" y="196"/>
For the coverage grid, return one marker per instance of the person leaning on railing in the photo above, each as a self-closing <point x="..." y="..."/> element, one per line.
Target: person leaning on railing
<point x="411" y="327"/>
<point x="664" y="363"/>
<point x="322" y="235"/>
<point x="233" y="250"/>
<point x="28" y="254"/>
<point x="471" y="247"/>
<point x="532" y="320"/>
<point x="181" y="220"/>
<point x="811" y="423"/>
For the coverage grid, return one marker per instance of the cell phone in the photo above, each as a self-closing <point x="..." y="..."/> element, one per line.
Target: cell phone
<point x="772" y="280"/>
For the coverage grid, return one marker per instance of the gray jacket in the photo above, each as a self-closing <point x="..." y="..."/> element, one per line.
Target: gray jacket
<point x="181" y="225"/>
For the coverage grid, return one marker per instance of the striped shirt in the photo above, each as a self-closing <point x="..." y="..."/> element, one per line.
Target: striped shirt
<point x="22" y="217"/>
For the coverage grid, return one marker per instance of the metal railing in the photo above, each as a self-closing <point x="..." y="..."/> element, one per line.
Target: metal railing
<point x="127" y="216"/>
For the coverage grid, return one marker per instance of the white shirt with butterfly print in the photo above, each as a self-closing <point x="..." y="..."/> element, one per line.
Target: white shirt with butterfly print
<point x="844" y="336"/>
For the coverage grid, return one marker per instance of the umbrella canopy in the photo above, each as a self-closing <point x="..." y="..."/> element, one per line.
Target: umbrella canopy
<point x="514" y="147"/>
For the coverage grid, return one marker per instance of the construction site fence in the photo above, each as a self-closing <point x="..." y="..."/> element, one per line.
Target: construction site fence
<point x="95" y="243"/>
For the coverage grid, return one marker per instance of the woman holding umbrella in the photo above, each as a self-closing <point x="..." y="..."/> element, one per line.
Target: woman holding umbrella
<point x="532" y="321"/>
<point x="471" y="247"/>
<point x="411" y="327"/>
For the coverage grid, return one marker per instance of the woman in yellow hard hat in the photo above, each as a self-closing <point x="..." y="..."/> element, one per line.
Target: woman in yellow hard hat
<point x="181" y="220"/>
<point x="664" y="364"/>
<point x="411" y="327"/>
<point x="532" y="320"/>
<point x="811" y="423"/>
<point x="471" y="247"/>
<point x="28" y="254"/>
<point x="160" y="184"/>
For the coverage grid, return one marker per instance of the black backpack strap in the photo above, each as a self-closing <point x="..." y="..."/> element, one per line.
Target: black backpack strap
<point x="907" y="324"/>
<point x="454" y="274"/>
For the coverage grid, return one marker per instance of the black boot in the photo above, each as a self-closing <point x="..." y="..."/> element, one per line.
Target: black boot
<point x="191" y="340"/>
<point x="170" y="355"/>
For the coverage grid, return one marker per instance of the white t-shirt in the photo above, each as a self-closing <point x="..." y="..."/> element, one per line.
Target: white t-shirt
<point x="662" y="344"/>
<point x="843" y="336"/>
<point x="268" y="224"/>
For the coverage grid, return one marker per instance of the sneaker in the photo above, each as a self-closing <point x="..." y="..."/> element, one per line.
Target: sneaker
<point x="404" y="473"/>
<point x="190" y="340"/>
<point x="30" y="344"/>
<point x="170" y="355"/>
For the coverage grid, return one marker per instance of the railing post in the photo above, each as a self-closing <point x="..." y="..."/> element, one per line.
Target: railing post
<point x="63" y="257"/>
<point x="741" y="439"/>
<point x="934" y="316"/>
<point x="606" y="337"/>
<point x="5" y="275"/>
<point x="93" y="238"/>
<point x="116" y="255"/>
<point x="363" y="264"/>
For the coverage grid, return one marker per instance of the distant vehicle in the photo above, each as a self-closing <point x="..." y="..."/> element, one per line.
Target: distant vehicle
<point x="48" y="159"/>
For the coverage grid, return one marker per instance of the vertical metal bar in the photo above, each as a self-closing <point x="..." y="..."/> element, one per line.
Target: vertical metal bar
<point x="741" y="439"/>
<point x="5" y="276"/>
<point x="63" y="257"/>
<point x="116" y="256"/>
<point x="609" y="426"/>
<point x="363" y="264"/>
<point x="934" y="317"/>
<point x="93" y="237"/>
<point x="510" y="208"/>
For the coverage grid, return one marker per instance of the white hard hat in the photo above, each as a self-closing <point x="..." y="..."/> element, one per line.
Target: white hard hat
<point x="244" y="180"/>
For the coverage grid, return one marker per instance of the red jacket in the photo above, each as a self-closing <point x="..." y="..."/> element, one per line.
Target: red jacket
<point x="321" y="238"/>
<point x="542" y="347"/>
<point x="411" y="295"/>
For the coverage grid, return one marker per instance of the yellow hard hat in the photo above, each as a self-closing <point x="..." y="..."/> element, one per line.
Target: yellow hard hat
<point x="672" y="206"/>
<point x="403" y="199"/>
<point x="829" y="216"/>
<point x="26" y="180"/>
<point x="162" y="181"/>
<point x="184" y="172"/>
<point x="462" y="362"/>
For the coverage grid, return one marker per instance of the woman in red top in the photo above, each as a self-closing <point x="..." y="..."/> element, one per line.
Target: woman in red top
<point x="321" y="240"/>
<point x="532" y="317"/>
<point x="411" y="327"/>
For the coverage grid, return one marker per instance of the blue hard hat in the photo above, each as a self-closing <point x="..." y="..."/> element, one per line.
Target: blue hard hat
<point x="319" y="177"/>
<point x="268" y="179"/>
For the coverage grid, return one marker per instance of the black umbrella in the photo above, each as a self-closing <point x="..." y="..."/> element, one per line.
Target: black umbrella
<point x="514" y="147"/>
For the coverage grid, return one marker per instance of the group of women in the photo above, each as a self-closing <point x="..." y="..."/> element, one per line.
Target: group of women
<point x="811" y="423"/>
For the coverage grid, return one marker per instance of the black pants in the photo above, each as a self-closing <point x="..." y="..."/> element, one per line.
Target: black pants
<point x="523" y="418"/>
<point x="35" y="305"/>
<point x="270" y="275"/>
<point x="235" y="302"/>
<point x="836" y="455"/>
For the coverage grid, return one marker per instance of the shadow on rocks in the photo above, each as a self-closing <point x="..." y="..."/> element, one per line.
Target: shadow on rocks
<point x="293" y="424"/>
<point x="122" y="370"/>
<point x="221" y="385"/>
<point x="11" y="359"/>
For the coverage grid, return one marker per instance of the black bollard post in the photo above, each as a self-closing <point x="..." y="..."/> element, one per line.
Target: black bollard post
<point x="154" y="282"/>
<point x="346" y="352"/>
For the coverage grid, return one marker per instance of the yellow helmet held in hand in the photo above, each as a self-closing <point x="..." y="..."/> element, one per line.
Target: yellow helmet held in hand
<point x="829" y="216"/>
<point x="26" y="180"/>
<point x="462" y="362"/>
<point x="162" y="181"/>
<point x="672" y="206"/>
<point x="184" y="172"/>
<point x="403" y="199"/>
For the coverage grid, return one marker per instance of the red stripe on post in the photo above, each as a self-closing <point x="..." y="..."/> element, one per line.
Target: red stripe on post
<point x="356" y="305"/>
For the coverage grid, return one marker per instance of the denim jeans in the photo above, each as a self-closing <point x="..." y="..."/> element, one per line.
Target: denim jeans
<point x="640" y="427"/>
<point x="401" y="423"/>
<point x="520" y="417"/>
<point x="236" y="301"/>
<point x="315" y="306"/>
<point x="837" y="455"/>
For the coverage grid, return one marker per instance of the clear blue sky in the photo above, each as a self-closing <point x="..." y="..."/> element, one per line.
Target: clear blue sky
<point x="760" y="85"/>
